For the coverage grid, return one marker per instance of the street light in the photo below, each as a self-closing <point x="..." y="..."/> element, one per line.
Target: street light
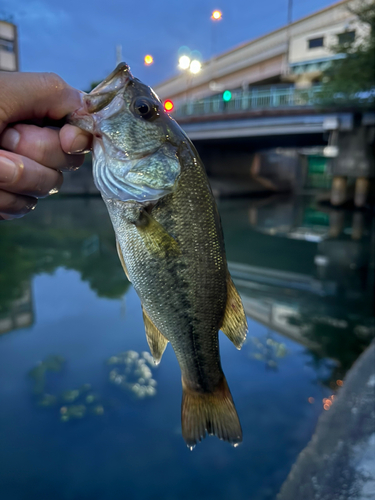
<point x="190" y="67"/>
<point x="184" y="62"/>
<point x="216" y="15"/>
<point x="148" y="60"/>
<point x="195" y="66"/>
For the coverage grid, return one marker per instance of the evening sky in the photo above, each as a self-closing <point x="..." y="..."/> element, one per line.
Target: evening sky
<point x="77" y="38"/>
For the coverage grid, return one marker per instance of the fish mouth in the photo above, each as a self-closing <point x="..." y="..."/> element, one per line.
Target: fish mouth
<point x="100" y="97"/>
<point x="105" y="92"/>
<point x="116" y="80"/>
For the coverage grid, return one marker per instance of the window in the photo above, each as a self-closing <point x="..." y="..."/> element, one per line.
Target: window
<point x="346" y="37"/>
<point x="316" y="42"/>
<point x="6" y="45"/>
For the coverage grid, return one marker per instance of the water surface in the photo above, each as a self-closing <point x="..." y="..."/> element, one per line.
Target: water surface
<point x="80" y="420"/>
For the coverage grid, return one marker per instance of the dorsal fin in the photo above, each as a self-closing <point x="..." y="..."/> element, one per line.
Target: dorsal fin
<point x="234" y="323"/>
<point x="156" y="340"/>
<point x="121" y="257"/>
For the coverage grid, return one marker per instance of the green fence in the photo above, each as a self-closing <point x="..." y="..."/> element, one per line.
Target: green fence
<point x="256" y="98"/>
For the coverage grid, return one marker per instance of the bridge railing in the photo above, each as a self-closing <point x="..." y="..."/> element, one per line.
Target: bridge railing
<point x="256" y="98"/>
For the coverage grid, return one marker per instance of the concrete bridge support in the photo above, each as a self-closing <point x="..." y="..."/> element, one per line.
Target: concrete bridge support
<point x="353" y="167"/>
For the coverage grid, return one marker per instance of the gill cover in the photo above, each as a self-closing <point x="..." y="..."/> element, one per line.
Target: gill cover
<point x="146" y="179"/>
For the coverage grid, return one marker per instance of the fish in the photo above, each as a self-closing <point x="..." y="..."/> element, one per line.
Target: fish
<point x="170" y="243"/>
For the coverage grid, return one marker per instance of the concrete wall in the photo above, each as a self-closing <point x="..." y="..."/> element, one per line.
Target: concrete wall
<point x="299" y="46"/>
<point x="8" y="47"/>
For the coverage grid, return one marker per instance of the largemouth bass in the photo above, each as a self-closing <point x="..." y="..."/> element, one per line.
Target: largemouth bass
<point x="169" y="241"/>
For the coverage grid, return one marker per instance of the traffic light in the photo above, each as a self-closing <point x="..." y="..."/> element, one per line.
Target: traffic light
<point x="227" y="95"/>
<point x="168" y="105"/>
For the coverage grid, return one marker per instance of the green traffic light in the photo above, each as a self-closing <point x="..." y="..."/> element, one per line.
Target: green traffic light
<point x="227" y="95"/>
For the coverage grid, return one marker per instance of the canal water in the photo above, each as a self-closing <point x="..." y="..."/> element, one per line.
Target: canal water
<point x="84" y="414"/>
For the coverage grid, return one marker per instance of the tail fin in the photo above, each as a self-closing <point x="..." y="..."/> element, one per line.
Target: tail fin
<point x="212" y="412"/>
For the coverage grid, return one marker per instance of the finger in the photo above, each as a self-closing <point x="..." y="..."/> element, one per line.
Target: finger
<point x="75" y="140"/>
<point x="7" y="217"/>
<point x="13" y="205"/>
<point x="39" y="144"/>
<point x="20" y="175"/>
<point x="25" y="96"/>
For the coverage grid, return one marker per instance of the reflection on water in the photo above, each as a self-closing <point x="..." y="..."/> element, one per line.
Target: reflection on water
<point x="305" y="273"/>
<point x="318" y="289"/>
<point x="39" y="372"/>
<point x="78" y="238"/>
<point x="132" y="372"/>
<point x="268" y="350"/>
<point x="72" y="403"/>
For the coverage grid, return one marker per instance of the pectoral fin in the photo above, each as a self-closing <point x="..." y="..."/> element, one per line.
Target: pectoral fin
<point x="156" y="341"/>
<point x="234" y="323"/>
<point x="156" y="239"/>
<point x="122" y="260"/>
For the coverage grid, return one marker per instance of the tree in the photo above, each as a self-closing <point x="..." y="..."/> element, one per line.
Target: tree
<point x="352" y="76"/>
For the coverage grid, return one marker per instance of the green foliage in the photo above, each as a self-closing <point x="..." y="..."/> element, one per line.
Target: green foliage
<point x="354" y="73"/>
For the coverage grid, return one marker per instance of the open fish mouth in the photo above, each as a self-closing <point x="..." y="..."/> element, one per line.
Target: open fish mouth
<point x="105" y="92"/>
<point x="99" y="98"/>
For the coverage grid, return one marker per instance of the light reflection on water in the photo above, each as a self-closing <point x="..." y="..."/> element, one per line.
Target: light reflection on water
<point x="305" y="277"/>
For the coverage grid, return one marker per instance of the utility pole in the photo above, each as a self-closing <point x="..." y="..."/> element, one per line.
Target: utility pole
<point x="118" y="54"/>
<point x="289" y="22"/>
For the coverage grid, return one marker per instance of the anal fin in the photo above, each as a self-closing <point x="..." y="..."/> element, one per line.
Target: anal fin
<point x="234" y="323"/>
<point x="156" y="340"/>
<point x="122" y="259"/>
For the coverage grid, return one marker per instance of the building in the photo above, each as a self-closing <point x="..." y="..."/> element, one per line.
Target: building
<point x="293" y="55"/>
<point x="8" y="47"/>
<point x="20" y="312"/>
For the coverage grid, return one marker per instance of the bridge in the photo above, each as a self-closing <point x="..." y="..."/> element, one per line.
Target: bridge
<point x="267" y="117"/>
<point x="262" y="111"/>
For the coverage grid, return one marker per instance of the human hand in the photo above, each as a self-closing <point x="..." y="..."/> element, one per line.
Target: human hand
<point x="33" y="156"/>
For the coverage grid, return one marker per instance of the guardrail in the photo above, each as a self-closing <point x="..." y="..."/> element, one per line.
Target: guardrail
<point x="256" y="98"/>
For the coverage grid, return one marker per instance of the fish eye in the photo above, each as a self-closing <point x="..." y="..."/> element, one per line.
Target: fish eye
<point x="145" y="108"/>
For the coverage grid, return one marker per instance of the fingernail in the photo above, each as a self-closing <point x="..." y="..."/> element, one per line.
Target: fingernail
<point x="8" y="170"/>
<point x="80" y="144"/>
<point x="56" y="189"/>
<point x="6" y="217"/>
<point x="71" y="168"/>
<point x="10" y="139"/>
<point x="32" y="204"/>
